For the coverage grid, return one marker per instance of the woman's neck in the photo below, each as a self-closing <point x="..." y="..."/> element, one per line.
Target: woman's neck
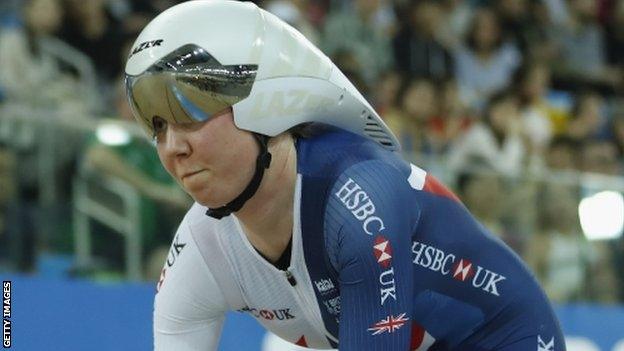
<point x="267" y="218"/>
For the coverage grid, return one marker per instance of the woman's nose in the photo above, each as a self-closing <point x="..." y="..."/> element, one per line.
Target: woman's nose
<point x="176" y="143"/>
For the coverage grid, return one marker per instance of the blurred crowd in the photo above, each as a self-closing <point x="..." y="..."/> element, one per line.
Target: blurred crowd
<point x="494" y="96"/>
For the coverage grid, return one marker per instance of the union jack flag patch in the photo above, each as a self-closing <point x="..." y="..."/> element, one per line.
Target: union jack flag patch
<point x="389" y="324"/>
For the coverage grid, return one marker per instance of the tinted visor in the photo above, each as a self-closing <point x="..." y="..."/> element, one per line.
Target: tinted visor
<point x="187" y="85"/>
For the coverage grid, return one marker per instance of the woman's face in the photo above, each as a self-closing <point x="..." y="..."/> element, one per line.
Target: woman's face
<point x="213" y="161"/>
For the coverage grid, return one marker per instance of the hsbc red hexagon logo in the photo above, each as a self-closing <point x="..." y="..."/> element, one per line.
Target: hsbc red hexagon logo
<point x="383" y="251"/>
<point x="266" y="314"/>
<point x="463" y="270"/>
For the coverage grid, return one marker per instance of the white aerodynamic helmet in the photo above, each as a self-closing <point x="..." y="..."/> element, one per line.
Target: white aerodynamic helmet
<point x="200" y="57"/>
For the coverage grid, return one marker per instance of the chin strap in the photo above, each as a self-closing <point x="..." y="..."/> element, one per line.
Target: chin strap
<point x="262" y="162"/>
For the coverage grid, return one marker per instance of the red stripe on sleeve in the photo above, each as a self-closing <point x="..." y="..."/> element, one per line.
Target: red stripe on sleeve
<point x="433" y="186"/>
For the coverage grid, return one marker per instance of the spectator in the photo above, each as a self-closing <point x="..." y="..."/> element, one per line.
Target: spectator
<point x="135" y="14"/>
<point x="90" y="28"/>
<point x="561" y="154"/>
<point x="486" y="62"/>
<point x="410" y="121"/>
<point x="615" y="36"/>
<point x="490" y="198"/>
<point x="456" y="17"/>
<point x="587" y="119"/>
<point x="32" y="72"/>
<point x="517" y="22"/>
<point x="451" y="121"/>
<point x="600" y="156"/>
<point x="355" y="32"/>
<point x="37" y="76"/>
<point x="540" y="44"/>
<point x="482" y="192"/>
<point x="387" y="91"/>
<point x="533" y="84"/>
<point x="559" y="254"/>
<point x="7" y="197"/>
<point x="618" y="133"/>
<point x="495" y="142"/>
<point x="582" y="50"/>
<point x="418" y="53"/>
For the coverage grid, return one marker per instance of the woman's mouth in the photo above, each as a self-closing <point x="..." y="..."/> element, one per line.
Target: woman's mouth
<point x="190" y="174"/>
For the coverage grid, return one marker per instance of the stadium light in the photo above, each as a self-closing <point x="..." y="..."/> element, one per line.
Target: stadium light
<point x="112" y="134"/>
<point x="602" y="215"/>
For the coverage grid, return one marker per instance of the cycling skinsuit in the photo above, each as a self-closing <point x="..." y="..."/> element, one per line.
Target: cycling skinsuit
<point x="383" y="258"/>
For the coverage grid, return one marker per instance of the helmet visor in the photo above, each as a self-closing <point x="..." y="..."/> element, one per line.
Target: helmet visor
<point x="187" y="85"/>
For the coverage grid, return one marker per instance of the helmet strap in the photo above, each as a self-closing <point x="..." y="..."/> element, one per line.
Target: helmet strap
<point x="263" y="161"/>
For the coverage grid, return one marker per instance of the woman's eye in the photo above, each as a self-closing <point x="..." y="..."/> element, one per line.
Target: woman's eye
<point x="159" y="125"/>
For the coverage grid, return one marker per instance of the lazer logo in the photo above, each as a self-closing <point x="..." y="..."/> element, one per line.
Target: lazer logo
<point x="291" y="102"/>
<point x="361" y="206"/>
<point x="281" y="314"/>
<point x="463" y="270"/>
<point x="144" y="45"/>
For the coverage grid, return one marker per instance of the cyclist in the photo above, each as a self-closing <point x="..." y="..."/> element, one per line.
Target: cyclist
<point x="306" y="216"/>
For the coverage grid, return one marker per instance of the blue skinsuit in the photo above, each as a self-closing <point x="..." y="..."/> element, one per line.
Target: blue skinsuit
<point x="408" y="264"/>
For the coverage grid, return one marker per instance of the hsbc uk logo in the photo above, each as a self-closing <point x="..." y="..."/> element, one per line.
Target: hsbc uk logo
<point x="361" y="206"/>
<point x="269" y="315"/>
<point x="458" y="268"/>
